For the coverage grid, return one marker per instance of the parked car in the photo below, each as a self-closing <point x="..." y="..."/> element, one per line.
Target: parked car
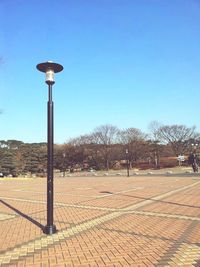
<point x="1" y="174"/>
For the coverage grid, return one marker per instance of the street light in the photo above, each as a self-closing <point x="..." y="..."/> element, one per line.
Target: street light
<point x="194" y="146"/>
<point x="50" y="68"/>
<point x="64" y="156"/>
<point x="127" y="162"/>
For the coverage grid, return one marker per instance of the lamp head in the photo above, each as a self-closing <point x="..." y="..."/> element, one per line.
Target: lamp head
<point x="49" y="68"/>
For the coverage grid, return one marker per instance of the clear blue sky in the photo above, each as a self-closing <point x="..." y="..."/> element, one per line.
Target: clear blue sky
<point x="126" y="63"/>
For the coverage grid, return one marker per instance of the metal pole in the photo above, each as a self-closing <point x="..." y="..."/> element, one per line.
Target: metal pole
<point x="49" y="68"/>
<point x="50" y="228"/>
<point x="127" y="168"/>
<point x="127" y="162"/>
<point x="64" y="155"/>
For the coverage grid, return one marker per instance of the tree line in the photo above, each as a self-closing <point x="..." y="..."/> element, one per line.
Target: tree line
<point x="105" y="148"/>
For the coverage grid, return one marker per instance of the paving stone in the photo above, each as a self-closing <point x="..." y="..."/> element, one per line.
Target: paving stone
<point x="145" y="222"/>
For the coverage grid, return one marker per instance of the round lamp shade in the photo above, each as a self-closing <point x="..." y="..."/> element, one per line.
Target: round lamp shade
<point x="49" y="65"/>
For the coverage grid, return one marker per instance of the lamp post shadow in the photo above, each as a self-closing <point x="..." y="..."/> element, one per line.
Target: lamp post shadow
<point x="23" y="215"/>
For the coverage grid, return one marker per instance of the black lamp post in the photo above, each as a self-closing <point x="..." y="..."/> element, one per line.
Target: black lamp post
<point x="50" y="68"/>
<point x="127" y="162"/>
<point x="64" y="155"/>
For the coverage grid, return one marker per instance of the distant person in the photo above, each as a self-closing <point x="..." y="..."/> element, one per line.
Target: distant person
<point x="193" y="160"/>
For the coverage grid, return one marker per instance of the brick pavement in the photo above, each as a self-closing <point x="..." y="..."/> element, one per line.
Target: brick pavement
<point x="102" y="221"/>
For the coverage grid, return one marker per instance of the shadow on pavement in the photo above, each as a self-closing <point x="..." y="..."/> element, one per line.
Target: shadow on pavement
<point x="152" y="199"/>
<point x="22" y="214"/>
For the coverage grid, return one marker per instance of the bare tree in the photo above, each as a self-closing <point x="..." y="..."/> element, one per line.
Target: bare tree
<point x="86" y="145"/>
<point x="155" y="147"/>
<point x="105" y="136"/>
<point x="154" y="127"/>
<point x="178" y="137"/>
<point x="81" y="140"/>
<point x="133" y="140"/>
<point x="130" y="135"/>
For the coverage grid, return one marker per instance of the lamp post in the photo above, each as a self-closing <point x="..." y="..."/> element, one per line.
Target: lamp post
<point x="64" y="155"/>
<point x="49" y="68"/>
<point x="127" y="162"/>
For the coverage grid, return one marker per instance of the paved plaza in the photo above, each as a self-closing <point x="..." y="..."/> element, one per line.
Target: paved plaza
<point x="107" y="220"/>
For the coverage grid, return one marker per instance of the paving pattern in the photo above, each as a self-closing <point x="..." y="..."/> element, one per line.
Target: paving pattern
<point x="102" y="221"/>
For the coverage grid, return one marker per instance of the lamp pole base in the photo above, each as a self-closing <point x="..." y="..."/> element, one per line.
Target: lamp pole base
<point x="49" y="229"/>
